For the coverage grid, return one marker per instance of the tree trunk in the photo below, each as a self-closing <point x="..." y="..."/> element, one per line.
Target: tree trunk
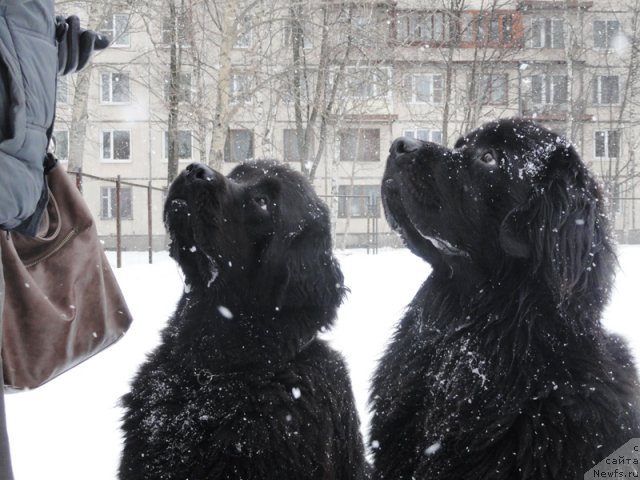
<point x="174" y="98"/>
<point x="79" y="120"/>
<point x="222" y="111"/>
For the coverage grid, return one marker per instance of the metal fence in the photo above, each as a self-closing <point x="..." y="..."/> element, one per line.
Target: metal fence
<point x="118" y="231"/>
<point x="361" y="210"/>
<point x="81" y="177"/>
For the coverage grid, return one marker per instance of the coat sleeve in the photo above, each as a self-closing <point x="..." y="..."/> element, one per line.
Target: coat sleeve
<point x="28" y="67"/>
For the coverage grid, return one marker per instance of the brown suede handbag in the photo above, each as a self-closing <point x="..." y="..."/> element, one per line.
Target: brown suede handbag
<point x="62" y="302"/>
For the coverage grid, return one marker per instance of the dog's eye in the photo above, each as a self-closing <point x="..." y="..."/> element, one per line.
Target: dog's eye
<point x="489" y="160"/>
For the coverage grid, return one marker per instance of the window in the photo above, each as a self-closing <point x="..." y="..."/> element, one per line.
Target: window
<point x="61" y="140"/>
<point x="184" y="88"/>
<point x="108" y="203"/>
<point x="358" y="201"/>
<point x="467" y="27"/>
<point x="604" y="33"/>
<point x="482" y="28"/>
<point x="243" y="33"/>
<point x="116" y="29"/>
<point x="606" y="90"/>
<point x="493" y="89"/>
<point x="305" y="30"/>
<point x="549" y="89"/>
<point x="116" y="145"/>
<point x="115" y="88"/>
<point x="613" y="191"/>
<point x="290" y="143"/>
<point x="179" y="23"/>
<point x="423" y="88"/>
<point x="239" y="146"/>
<point x="366" y="82"/>
<point x="607" y="144"/>
<point x="360" y="29"/>
<point x="547" y="33"/>
<point x="241" y="88"/>
<point x="360" y="145"/>
<point x="423" y="27"/>
<point x="62" y="89"/>
<point x="426" y="134"/>
<point x="183" y="144"/>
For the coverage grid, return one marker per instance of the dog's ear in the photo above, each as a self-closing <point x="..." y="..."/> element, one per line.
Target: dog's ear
<point x="513" y="238"/>
<point x="313" y="276"/>
<point x="562" y="230"/>
<point x="303" y="272"/>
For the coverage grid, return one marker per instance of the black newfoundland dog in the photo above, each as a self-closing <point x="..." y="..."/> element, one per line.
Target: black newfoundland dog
<point x="500" y="368"/>
<point x="240" y="386"/>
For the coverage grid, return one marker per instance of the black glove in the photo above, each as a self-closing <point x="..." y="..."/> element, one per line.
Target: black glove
<point x="75" y="44"/>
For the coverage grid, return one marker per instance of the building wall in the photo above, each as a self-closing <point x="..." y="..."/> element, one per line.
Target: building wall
<point x="381" y="48"/>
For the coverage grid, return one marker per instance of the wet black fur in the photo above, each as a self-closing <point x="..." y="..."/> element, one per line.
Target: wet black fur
<point x="240" y="387"/>
<point x="500" y="368"/>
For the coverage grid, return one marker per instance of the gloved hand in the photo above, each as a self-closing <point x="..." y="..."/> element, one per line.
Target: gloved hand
<point x="75" y="44"/>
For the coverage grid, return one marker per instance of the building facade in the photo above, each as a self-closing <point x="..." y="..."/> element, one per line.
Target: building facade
<point x="327" y="85"/>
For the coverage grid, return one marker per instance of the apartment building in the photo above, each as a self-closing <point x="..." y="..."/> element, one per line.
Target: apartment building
<point x="326" y="86"/>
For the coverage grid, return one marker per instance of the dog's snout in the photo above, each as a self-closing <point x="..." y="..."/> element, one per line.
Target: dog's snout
<point x="201" y="171"/>
<point x="404" y="145"/>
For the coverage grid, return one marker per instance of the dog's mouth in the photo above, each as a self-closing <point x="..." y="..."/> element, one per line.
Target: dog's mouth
<point x="407" y="188"/>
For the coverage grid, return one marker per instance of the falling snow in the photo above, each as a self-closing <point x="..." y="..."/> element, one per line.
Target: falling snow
<point x="432" y="449"/>
<point x="225" y="312"/>
<point x="49" y="419"/>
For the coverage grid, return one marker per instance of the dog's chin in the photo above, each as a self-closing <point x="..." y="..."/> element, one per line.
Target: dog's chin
<point x="392" y="203"/>
<point x="398" y="219"/>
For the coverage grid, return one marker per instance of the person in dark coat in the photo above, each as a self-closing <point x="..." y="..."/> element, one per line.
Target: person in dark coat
<point x="35" y="47"/>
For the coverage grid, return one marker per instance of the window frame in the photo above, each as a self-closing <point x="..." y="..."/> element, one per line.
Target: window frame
<point x="426" y="27"/>
<point x="372" y="83"/>
<point x="239" y="33"/>
<point x="228" y="150"/>
<point x="62" y="90"/>
<point x="349" y="195"/>
<point x="606" y="135"/>
<point x="359" y="153"/>
<point x="111" y="159"/>
<point x="607" y="36"/>
<point x="476" y="28"/>
<point x="183" y="88"/>
<point x="548" y="33"/>
<point x="184" y="41"/>
<point x="548" y="91"/>
<point x="102" y="88"/>
<point x="110" y="197"/>
<point x="307" y="33"/>
<point x="236" y="95"/>
<point x="485" y="90"/>
<point x="65" y="134"/>
<point x="165" y="146"/>
<point x="429" y="137"/>
<point x="414" y="90"/>
<point x="113" y="34"/>
<point x="286" y="152"/>
<point x="597" y="97"/>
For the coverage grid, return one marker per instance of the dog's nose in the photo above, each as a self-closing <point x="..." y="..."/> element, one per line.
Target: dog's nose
<point x="201" y="171"/>
<point x="404" y="145"/>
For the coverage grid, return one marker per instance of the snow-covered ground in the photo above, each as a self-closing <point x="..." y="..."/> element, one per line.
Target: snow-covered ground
<point x="69" y="428"/>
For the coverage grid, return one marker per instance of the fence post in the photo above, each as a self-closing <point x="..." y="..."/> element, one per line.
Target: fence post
<point x="79" y="179"/>
<point x="118" y="226"/>
<point x="376" y="234"/>
<point x="372" y="226"/>
<point x="150" y="222"/>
